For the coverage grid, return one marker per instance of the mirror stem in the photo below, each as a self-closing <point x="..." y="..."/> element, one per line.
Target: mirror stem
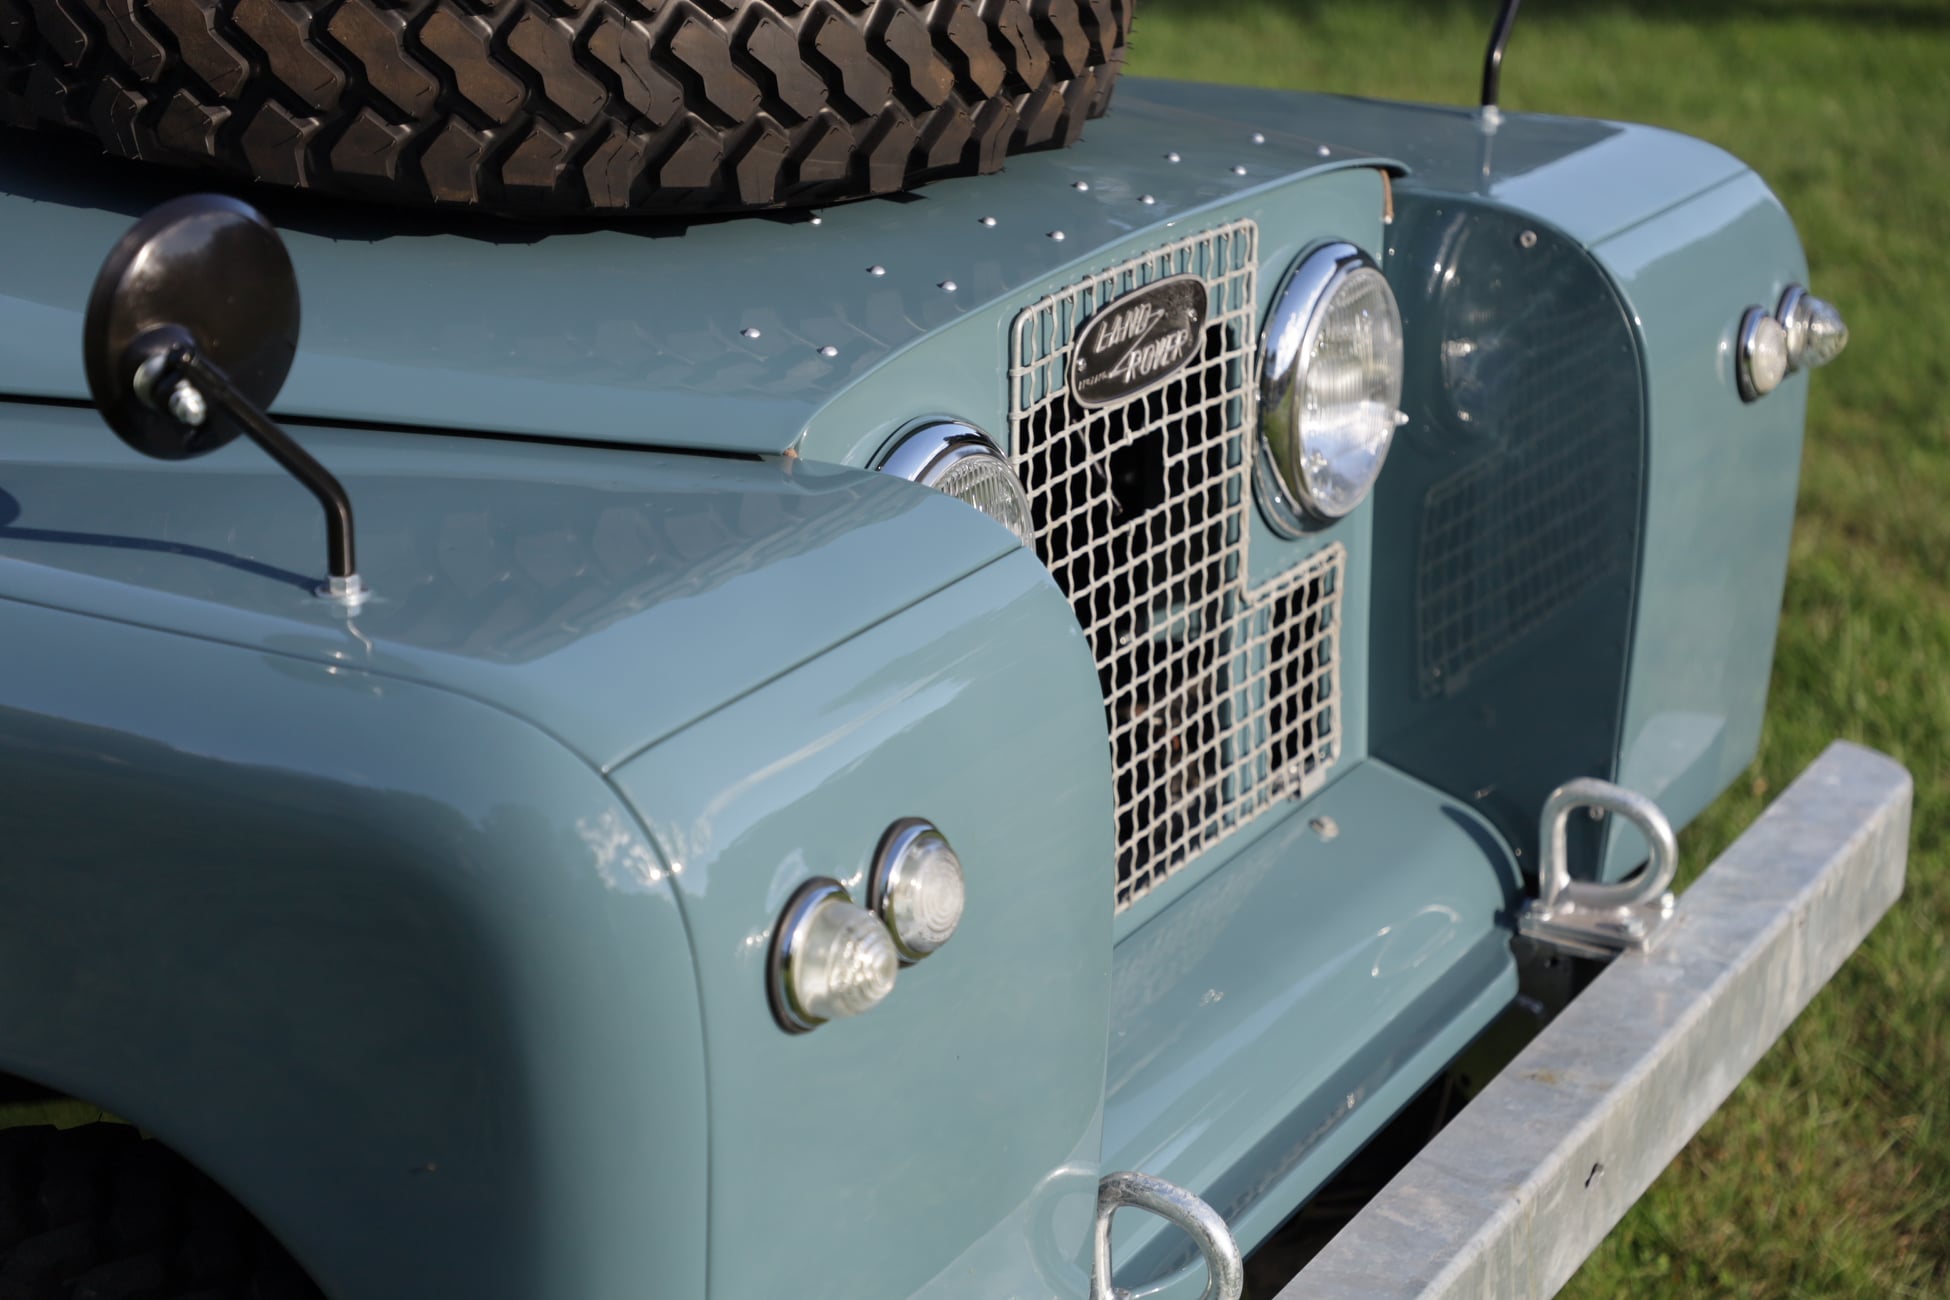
<point x="181" y="364"/>
<point x="1506" y="19"/>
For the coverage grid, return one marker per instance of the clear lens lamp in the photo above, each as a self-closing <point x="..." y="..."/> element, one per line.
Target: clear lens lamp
<point x="917" y="888"/>
<point x="1816" y="332"/>
<point x="830" y="959"/>
<point x="1330" y="387"/>
<point x="962" y="461"/>
<point x="1763" y="361"/>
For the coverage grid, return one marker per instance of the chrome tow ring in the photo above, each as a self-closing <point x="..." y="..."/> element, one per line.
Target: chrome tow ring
<point x="1225" y="1271"/>
<point x="1592" y="919"/>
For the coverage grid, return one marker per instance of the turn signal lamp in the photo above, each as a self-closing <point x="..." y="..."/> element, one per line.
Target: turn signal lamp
<point x="1763" y="354"/>
<point x="1803" y="332"/>
<point x="830" y="959"/>
<point x="917" y="888"/>
<point x="1816" y="332"/>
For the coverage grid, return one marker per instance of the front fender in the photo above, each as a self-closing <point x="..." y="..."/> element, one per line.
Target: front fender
<point x="945" y="1145"/>
<point x="395" y="968"/>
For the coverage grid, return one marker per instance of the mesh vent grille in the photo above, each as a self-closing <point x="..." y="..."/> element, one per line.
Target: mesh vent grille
<point x="1513" y="538"/>
<point x="1219" y="700"/>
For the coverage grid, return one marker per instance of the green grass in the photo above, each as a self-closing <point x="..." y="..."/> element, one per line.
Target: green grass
<point x="1828" y="1172"/>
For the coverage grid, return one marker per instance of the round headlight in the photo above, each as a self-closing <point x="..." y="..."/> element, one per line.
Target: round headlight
<point x="962" y="461"/>
<point x="1330" y="386"/>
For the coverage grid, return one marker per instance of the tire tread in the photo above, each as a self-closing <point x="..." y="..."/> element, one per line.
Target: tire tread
<point x="569" y="106"/>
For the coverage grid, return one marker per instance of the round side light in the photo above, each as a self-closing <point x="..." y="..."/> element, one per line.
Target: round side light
<point x="917" y="888"/>
<point x="830" y="958"/>
<point x="959" y="459"/>
<point x="1763" y="354"/>
<point x="1816" y="332"/>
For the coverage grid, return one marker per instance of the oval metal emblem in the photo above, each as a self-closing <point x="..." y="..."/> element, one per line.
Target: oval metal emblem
<point x="1139" y="340"/>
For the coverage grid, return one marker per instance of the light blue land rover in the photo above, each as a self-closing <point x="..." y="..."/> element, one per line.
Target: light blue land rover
<point x="788" y="715"/>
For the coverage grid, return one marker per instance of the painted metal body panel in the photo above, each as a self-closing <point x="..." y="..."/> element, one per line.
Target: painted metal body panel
<point x="1510" y="1198"/>
<point x="361" y="949"/>
<point x="1719" y="505"/>
<point x="1266" y="1025"/>
<point x="635" y="332"/>
<point x="1591" y="178"/>
<point x="571" y="587"/>
<point x="860" y="1161"/>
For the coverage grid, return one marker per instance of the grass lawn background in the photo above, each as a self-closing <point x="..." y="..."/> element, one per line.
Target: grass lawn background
<point x="1828" y="1172"/>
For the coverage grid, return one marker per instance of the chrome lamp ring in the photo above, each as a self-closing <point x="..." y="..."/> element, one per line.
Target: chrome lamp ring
<point x="792" y="924"/>
<point x="926" y="452"/>
<point x="1292" y="328"/>
<point x="1761" y="354"/>
<point x="889" y="861"/>
<point x="1788" y="314"/>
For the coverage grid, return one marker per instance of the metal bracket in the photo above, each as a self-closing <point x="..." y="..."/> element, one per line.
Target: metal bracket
<point x="1590" y="919"/>
<point x="1225" y="1271"/>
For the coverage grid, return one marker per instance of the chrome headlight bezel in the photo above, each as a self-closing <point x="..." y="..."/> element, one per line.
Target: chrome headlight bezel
<point x="928" y="452"/>
<point x="1286" y="343"/>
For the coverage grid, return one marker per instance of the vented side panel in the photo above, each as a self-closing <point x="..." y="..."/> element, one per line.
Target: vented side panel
<point x="1508" y="541"/>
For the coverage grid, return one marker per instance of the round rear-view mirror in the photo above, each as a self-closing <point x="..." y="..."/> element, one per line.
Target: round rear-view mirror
<point x="207" y="271"/>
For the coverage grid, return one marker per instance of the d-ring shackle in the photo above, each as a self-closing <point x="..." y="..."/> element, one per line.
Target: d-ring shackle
<point x="1225" y="1271"/>
<point x="1557" y="892"/>
<point x="1584" y="916"/>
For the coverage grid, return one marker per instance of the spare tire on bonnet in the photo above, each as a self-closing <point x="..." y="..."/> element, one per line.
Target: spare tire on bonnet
<point x="565" y="106"/>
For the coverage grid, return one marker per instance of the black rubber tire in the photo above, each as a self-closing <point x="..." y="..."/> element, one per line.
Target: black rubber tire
<point x="101" y="1213"/>
<point x="569" y="106"/>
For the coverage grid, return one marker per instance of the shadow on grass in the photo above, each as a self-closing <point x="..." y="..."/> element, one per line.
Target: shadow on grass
<point x="1921" y="15"/>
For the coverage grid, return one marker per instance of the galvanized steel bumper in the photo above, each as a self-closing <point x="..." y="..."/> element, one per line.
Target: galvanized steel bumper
<point x="1514" y="1194"/>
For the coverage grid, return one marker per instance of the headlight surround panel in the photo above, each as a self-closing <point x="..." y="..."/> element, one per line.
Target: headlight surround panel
<point x="1319" y="459"/>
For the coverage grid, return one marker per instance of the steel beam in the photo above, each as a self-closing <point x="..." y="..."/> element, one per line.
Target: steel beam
<point x="1517" y="1191"/>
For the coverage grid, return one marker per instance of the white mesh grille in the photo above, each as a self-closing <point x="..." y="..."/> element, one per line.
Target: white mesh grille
<point x="1219" y="699"/>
